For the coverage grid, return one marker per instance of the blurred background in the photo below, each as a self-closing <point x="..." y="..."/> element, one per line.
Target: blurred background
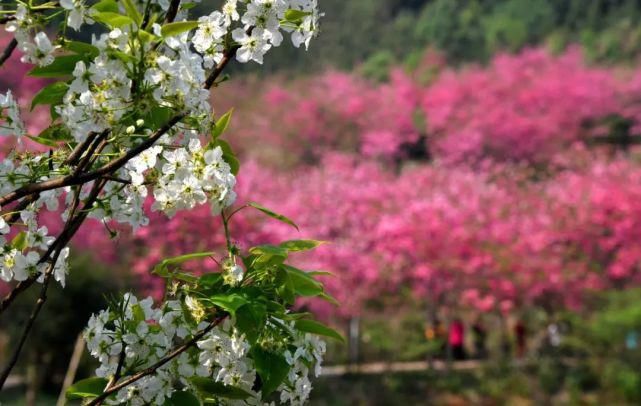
<point x="475" y="166"/>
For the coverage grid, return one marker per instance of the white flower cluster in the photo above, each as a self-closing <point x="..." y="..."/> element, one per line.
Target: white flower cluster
<point x="100" y="94"/>
<point x="143" y="335"/>
<point x="34" y="44"/>
<point x="10" y="114"/>
<point x="183" y="178"/>
<point x="259" y="30"/>
<point x="20" y="255"/>
<point x="20" y="258"/>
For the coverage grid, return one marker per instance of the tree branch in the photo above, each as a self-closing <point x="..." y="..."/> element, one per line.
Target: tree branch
<point x="172" y="11"/>
<point x="152" y="369"/>
<point x="6" y="54"/>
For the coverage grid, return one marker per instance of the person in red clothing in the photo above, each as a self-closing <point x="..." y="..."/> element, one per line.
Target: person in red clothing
<point x="456" y="339"/>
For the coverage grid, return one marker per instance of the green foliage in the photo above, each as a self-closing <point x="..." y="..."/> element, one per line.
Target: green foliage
<point x="273" y="214"/>
<point x="212" y="389"/>
<point x="177" y="28"/>
<point x="86" y="388"/>
<point x="61" y="66"/>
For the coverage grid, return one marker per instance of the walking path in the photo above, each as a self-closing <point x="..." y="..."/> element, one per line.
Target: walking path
<point x="383" y="367"/>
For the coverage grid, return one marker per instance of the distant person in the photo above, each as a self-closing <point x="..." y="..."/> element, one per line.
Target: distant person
<point x="520" y="334"/>
<point x="479" y="335"/>
<point x="436" y="333"/>
<point x="456" y="339"/>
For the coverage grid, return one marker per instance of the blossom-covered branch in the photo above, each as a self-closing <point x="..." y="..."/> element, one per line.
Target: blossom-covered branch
<point x="131" y="121"/>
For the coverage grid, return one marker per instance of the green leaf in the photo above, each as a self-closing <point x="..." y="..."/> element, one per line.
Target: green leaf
<point x="187" y="6"/>
<point x="19" y="242"/>
<point x="271" y="367"/>
<point x="295" y="16"/>
<point x="138" y="313"/>
<point x="56" y="132"/>
<point x="111" y="19"/>
<point x="301" y="245"/>
<point x="182" y="398"/>
<point x="272" y="214"/>
<point x="229" y="302"/>
<point x="285" y="288"/>
<point x="162" y="268"/>
<point x="329" y="298"/>
<point x="229" y="156"/>
<point x="222" y="124"/>
<point x="50" y="94"/>
<point x="61" y="66"/>
<point x="209" y="387"/>
<point x="132" y="11"/>
<point x="86" y="388"/>
<point x="268" y="253"/>
<point x="320" y="273"/>
<point x="106" y="6"/>
<point x="43" y="141"/>
<point x="158" y="117"/>
<point x="250" y="320"/>
<point x="304" y="284"/>
<point x="82" y="48"/>
<point x="177" y="28"/>
<point x="210" y="279"/>
<point x="146" y="36"/>
<point x="314" y="327"/>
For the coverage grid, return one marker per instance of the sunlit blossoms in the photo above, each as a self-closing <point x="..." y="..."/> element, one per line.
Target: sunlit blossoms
<point x="10" y="120"/>
<point x="141" y="335"/>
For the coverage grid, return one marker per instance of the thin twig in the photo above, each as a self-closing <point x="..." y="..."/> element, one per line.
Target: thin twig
<point x="6" y="54"/>
<point x="172" y="11"/>
<point x="6" y="19"/>
<point x="117" y="374"/>
<point x="152" y="369"/>
<point x="77" y="152"/>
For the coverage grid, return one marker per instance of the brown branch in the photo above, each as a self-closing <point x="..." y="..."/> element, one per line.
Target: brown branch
<point x="11" y="296"/>
<point x="152" y="369"/>
<point x="77" y="152"/>
<point x="6" y="54"/>
<point x="172" y="11"/>
<point x="6" y="19"/>
<point x="97" y="145"/>
<point x="116" y="376"/>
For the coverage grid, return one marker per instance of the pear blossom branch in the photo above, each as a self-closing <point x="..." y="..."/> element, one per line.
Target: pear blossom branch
<point x="81" y="178"/>
<point x="152" y="369"/>
<point x="105" y="173"/>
